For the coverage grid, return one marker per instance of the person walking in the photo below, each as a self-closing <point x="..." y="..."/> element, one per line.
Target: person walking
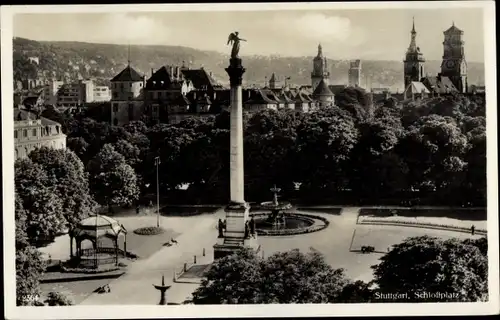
<point x="472" y="229"/>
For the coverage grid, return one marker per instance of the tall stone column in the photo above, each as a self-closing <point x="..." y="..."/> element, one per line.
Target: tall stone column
<point x="238" y="210"/>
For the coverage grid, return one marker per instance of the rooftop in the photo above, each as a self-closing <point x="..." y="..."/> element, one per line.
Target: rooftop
<point x="128" y="74"/>
<point x="24" y="115"/>
<point x="322" y="90"/>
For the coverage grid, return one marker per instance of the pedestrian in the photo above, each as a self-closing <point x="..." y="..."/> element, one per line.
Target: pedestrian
<point x="137" y="208"/>
<point x="472" y="229"/>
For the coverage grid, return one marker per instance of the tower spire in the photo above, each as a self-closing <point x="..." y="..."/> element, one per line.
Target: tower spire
<point x="413" y="42"/>
<point x="320" y="50"/>
<point x="128" y="55"/>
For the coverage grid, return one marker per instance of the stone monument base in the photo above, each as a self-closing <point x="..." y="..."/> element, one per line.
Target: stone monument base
<point x="234" y="237"/>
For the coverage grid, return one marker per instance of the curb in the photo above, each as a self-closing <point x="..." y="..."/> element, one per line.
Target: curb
<point x="83" y="278"/>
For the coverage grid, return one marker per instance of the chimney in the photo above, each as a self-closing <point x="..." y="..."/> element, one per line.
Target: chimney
<point x="177" y="73"/>
<point x="210" y="74"/>
<point x="171" y="72"/>
<point x="152" y="71"/>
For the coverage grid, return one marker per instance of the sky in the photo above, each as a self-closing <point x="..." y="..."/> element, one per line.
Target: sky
<point x="344" y="34"/>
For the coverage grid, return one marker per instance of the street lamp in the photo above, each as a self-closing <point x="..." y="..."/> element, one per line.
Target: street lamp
<point x="157" y="164"/>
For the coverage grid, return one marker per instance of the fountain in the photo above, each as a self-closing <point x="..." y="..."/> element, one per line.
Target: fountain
<point x="277" y="218"/>
<point x="280" y="221"/>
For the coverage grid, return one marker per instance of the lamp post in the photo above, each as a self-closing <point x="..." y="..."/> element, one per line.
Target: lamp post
<point x="157" y="164"/>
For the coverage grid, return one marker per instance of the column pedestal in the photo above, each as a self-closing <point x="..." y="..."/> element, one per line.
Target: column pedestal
<point x="234" y="237"/>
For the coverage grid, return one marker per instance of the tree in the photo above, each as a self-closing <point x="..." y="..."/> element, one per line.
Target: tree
<point x="431" y="265"/>
<point x="112" y="180"/>
<point x="79" y="146"/>
<point x="43" y="206"/>
<point x="20" y="217"/>
<point x="70" y="181"/>
<point x="58" y="299"/>
<point x="130" y="152"/>
<point x="29" y="270"/>
<point x="324" y="143"/>
<point x="356" y="101"/>
<point x="287" y="277"/>
<point x="356" y="292"/>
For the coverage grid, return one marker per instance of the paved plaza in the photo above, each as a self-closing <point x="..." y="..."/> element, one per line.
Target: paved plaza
<point x="198" y="232"/>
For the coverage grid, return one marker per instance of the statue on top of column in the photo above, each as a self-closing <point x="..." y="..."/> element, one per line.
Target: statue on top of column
<point x="234" y="40"/>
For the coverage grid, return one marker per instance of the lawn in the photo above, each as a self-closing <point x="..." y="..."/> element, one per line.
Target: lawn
<point x="462" y="218"/>
<point x="383" y="237"/>
<point x="470" y="214"/>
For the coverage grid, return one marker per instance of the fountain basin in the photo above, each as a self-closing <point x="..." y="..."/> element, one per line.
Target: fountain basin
<point x="295" y="223"/>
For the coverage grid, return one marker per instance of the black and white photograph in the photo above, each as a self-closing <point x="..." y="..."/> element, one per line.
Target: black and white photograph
<point x="170" y="160"/>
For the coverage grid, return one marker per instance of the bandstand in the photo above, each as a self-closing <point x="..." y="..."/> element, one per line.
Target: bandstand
<point x="95" y="228"/>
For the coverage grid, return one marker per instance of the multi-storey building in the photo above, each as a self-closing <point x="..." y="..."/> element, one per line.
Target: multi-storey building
<point x="175" y="92"/>
<point x="32" y="131"/>
<point x="127" y="96"/>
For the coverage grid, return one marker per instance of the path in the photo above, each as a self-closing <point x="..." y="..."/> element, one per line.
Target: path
<point x="136" y="287"/>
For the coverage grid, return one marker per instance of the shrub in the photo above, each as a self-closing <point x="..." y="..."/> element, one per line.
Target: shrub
<point x="58" y="299"/>
<point x="149" y="231"/>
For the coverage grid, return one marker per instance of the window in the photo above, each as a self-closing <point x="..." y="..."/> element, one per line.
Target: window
<point x="131" y="112"/>
<point x="115" y="95"/>
<point x="115" y="107"/>
<point x="25" y="133"/>
<point x="34" y="132"/>
<point x="115" y="122"/>
<point x="57" y="129"/>
<point x="15" y="135"/>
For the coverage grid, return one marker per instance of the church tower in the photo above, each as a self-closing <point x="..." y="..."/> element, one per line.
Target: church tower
<point x="272" y="81"/>
<point x="320" y="69"/>
<point x="414" y="61"/>
<point x="454" y="65"/>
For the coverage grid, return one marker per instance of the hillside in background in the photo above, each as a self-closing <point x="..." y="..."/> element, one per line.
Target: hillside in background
<point x="103" y="61"/>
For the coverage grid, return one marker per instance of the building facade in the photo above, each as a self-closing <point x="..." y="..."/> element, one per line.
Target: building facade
<point x="355" y="73"/>
<point x="320" y="69"/>
<point x="454" y="65"/>
<point x="101" y="94"/>
<point x="414" y="63"/>
<point x="31" y="132"/>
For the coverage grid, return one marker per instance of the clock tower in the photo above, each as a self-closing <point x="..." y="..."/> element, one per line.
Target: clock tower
<point x="454" y="65"/>
<point x="414" y="61"/>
